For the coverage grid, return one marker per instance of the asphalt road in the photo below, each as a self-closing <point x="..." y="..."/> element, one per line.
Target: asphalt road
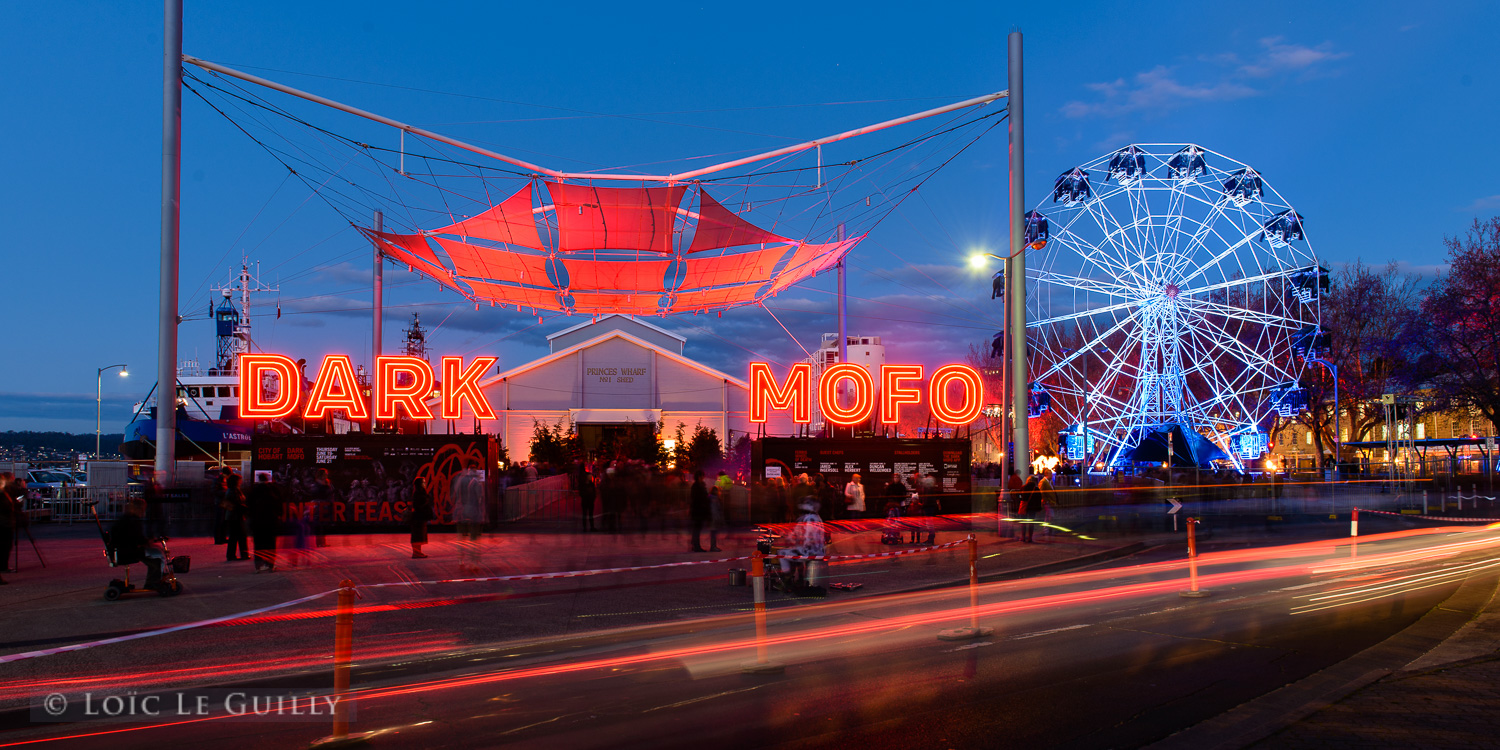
<point x="1095" y="659"/>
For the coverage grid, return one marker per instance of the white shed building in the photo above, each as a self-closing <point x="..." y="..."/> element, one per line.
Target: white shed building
<point x="615" y="374"/>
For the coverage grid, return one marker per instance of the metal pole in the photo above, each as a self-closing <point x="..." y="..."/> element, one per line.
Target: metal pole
<point x="843" y="307"/>
<point x="171" y="212"/>
<point x="379" y="285"/>
<point x="98" y="404"/>
<point x="1015" y="298"/>
<point x="1005" y="423"/>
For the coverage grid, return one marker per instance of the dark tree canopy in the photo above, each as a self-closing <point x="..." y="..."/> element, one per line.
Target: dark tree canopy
<point x="1456" y="338"/>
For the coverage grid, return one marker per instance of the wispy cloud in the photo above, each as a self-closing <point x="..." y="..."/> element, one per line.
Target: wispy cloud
<point x="1279" y="56"/>
<point x="1156" y="89"/>
<point x="1226" y="76"/>
<point x="1487" y="203"/>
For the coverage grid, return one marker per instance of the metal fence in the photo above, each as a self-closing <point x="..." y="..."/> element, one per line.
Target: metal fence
<point x="74" y="504"/>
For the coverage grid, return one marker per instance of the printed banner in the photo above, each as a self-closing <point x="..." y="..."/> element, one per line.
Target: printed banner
<point x="369" y="476"/>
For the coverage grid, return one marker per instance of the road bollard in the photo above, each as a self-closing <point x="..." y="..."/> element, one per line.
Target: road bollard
<point x="973" y="631"/>
<point x="1193" y="591"/>
<point x="343" y="655"/>
<point x="1354" y="533"/>
<point x="1424" y="502"/>
<point x="762" y="663"/>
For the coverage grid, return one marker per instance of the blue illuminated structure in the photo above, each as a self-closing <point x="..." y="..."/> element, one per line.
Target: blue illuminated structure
<point x="1190" y="280"/>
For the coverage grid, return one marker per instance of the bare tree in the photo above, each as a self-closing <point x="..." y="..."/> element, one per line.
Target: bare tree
<point x="1364" y="312"/>
<point x="1456" y="339"/>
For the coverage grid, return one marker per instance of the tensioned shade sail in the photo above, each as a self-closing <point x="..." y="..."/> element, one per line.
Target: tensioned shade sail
<point x="496" y="265"/>
<point x="810" y="259"/>
<point x="620" y="275"/>
<point x="614" y="218"/>
<point x="510" y="222"/>
<point x="740" y="268"/>
<point x="719" y="227"/>
<point x="704" y="299"/>
<point x="629" y="304"/>
<point x="412" y="250"/>
<point x="541" y="299"/>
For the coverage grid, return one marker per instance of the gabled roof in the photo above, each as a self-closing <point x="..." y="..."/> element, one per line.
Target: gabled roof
<point x="606" y="336"/>
<point x="630" y="318"/>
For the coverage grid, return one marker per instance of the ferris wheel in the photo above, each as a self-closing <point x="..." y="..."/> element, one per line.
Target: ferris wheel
<point x="1173" y="296"/>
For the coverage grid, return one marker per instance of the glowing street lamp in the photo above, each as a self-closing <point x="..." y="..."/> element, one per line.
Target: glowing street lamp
<point x="99" y="399"/>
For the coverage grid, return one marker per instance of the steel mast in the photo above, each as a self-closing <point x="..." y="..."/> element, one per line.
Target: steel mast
<point x="171" y="212"/>
<point x="1015" y="296"/>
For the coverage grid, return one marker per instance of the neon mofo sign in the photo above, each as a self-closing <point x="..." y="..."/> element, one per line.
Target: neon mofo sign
<point x="400" y="382"/>
<point x="954" y="393"/>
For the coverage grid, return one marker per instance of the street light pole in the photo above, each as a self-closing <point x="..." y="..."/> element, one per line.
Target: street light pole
<point x="1337" y="448"/>
<point x="99" y="400"/>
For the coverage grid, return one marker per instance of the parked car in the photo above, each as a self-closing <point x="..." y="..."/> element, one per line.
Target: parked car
<point x="48" y="482"/>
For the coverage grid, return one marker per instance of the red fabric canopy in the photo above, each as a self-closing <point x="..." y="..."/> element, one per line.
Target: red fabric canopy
<point x="610" y="218"/>
<point x="510" y="222"/>
<point x="412" y="250"/>
<point x="719" y="227"/>
<point x="622" y="275"/>
<point x="497" y="265"/>
<point x="740" y="268"/>
<point x="703" y="299"/>
<point x="438" y="273"/>
<point x="413" y="244"/>
<point x="543" y="299"/>
<point x="810" y="259"/>
<point x="629" y="304"/>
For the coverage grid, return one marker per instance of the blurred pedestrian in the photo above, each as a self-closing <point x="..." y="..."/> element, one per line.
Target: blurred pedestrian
<point x="264" y="505"/>
<point x="1011" y="502"/>
<point x="233" y="505"/>
<point x="469" y="514"/>
<point x="587" y="492"/>
<point x="700" y="510"/>
<point x="715" y="517"/>
<point x="421" y="515"/>
<point x="10" y="514"/>
<point x="1046" y="499"/>
<point x="1029" y="506"/>
<point x="320" y="506"/>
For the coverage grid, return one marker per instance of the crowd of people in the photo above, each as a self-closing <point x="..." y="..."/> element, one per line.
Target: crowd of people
<point x="262" y="515"/>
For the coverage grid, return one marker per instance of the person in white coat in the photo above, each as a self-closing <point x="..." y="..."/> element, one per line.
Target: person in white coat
<point x="854" y="497"/>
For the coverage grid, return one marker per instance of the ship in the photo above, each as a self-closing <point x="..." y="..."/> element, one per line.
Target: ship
<point x="207" y="400"/>
<point x="209" y="426"/>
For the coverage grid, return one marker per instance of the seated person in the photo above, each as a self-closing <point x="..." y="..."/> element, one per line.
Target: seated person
<point x="127" y="536"/>
<point x="807" y="539"/>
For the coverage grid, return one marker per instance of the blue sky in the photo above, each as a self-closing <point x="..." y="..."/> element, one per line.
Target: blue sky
<point x="1373" y="119"/>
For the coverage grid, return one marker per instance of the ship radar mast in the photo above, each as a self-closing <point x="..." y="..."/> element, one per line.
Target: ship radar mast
<point x="231" y="322"/>
<point x="416" y="338"/>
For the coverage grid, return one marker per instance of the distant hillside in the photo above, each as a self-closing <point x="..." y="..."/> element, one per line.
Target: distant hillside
<point x="58" y="441"/>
